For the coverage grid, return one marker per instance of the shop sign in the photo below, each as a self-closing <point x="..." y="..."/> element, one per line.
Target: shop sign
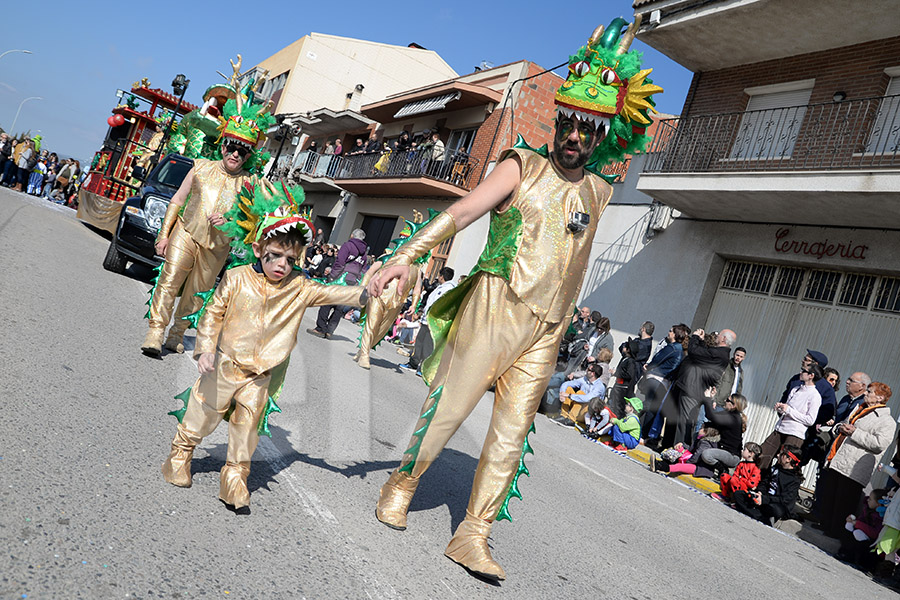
<point x="818" y="248"/>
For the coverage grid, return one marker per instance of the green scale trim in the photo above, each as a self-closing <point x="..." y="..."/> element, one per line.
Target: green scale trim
<point x="194" y="318"/>
<point x="514" y="486"/>
<point x="158" y="271"/>
<point x="419" y="433"/>
<point x="276" y="385"/>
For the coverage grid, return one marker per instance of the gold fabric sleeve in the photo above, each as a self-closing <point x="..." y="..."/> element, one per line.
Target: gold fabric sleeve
<point x="213" y="317"/>
<point x="168" y="221"/>
<point x="441" y="228"/>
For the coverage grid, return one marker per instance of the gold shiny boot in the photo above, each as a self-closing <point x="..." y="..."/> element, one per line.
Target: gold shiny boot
<point x="177" y="467"/>
<point x="362" y="359"/>
<point x="152" y="344"/>
<point x="396" y="494"/>
<point x="233" y="484"/>
<point x="175" y="341"/>
<point x="469" y="548"/>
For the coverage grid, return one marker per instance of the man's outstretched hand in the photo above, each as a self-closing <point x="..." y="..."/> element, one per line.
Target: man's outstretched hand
<point x="385" y="275"/>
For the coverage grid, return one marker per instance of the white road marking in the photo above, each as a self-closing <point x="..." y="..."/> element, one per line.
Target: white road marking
<point x="774" y="568"/>
<point x="314" y="507"/>
<point x="600" y="475"/>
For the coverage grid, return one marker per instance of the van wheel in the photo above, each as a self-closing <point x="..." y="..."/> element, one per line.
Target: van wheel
<point x="114" y="261"/>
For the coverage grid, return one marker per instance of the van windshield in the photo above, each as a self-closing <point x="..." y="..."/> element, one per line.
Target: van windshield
<point x="171" y="173"/>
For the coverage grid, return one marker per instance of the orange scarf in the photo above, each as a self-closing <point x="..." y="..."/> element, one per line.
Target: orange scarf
<point x="841" y="436"/>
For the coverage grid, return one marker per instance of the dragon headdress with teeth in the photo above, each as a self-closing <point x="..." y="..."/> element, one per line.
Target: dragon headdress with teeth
<point x="606" y="85"/>
<point x="260" y="212"/>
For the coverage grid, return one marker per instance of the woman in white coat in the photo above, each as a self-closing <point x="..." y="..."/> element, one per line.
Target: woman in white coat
<point x="860" y="442"/>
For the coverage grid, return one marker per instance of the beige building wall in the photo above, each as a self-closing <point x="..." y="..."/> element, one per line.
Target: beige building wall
<point x="325" y="68"/>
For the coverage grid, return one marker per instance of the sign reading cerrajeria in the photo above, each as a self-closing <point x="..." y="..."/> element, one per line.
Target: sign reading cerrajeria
<point x="819" y="248"/>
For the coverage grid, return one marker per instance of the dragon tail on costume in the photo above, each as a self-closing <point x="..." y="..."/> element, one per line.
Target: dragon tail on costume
<point x="158" y="271"/>
<point x="194" y="318"/>
<point x="514" y="486"/>
<point x="276" y="385"/>
<point x="427" y="415"/>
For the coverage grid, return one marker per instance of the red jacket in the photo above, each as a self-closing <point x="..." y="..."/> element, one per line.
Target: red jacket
<point x="746" y="477"/>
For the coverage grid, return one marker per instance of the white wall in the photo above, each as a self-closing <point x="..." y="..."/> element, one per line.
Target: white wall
<point x="328" y="67"/>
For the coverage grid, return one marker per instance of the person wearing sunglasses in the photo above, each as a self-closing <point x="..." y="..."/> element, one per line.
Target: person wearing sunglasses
<point x="504" y="323"/>
<point x="796" y="414"/>
<point x="194" y="249"/>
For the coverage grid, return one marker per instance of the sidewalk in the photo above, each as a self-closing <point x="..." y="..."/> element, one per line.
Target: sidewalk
<point x="792" y="527"/>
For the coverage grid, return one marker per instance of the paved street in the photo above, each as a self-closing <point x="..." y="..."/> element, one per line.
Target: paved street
<point x="85" y="513"/>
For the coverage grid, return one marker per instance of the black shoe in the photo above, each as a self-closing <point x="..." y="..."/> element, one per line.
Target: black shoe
<point x="317" y="333"/>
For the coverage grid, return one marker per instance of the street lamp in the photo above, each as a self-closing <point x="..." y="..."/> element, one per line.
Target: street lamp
<point x="13" y="128"/>
<point x="179" y="86"/>
<point x="22" y="51"/>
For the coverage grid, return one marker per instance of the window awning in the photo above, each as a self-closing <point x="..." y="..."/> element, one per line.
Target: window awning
<point x="427" y="105"/>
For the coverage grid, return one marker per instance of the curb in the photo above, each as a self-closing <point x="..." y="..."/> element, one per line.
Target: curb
<point x="642" y="455"/>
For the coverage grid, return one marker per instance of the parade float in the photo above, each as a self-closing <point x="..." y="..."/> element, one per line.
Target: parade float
<point x="136" y="129"/>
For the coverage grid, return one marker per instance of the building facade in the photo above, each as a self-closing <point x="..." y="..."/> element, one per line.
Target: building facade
<point x="773" y="200"/>
<point x="321" y="71"/>
<point x="476" y="116"/>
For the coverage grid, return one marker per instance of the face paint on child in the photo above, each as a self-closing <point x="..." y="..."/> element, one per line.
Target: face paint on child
<point x="277" y="259"/>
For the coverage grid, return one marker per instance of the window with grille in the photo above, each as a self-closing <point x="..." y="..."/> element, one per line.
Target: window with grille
<point x="735" y="275"/>
<point x="857" y="290"/>
<point x="822" y="286"/>
<point x="888" y="297"/>
<point x="788" y="284"/>
<point x="885" y="136"/>
<point x="770" y="125"/>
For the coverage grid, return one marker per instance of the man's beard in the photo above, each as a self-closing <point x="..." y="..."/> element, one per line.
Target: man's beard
<point x="570" y="162"/>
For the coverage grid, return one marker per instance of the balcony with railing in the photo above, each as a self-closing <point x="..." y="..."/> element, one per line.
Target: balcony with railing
<point x="392" y="173"/>
<point x="840" y="160"/>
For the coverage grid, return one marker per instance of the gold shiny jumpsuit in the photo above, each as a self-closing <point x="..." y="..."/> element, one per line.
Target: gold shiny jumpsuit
<point x="197" y="250"/>
<point x="381" y="312"/>
<point x="507" y="329"/>
<point x="251" y="326"/>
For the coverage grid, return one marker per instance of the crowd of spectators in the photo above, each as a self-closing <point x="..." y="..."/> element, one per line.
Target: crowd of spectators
<point x="27" y="167"/>
<point x="692" y="419"/>
<point x="420" y="154"/>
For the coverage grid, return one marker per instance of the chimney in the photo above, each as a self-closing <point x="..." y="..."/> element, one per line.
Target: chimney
<point x="354" y="98"/>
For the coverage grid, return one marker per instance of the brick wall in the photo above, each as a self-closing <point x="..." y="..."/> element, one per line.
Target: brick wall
<point x="530" y="113"/>
<point x="857" y="70"/>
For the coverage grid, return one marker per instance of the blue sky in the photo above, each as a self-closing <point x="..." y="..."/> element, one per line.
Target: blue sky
<point x="83" y="52"/>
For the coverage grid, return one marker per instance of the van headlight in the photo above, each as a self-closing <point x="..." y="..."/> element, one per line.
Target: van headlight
<point x="154" y="211"/>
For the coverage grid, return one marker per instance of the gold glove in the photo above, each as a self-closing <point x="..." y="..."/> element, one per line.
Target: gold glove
<point x="168" y="222"/>
<point x="441" y="228"/>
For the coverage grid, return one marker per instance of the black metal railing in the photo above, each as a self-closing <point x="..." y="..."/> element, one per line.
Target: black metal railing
<point x="854" y="134"/>
<point x="455" y="167"/>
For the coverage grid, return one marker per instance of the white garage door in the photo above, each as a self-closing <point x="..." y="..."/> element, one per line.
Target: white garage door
<point x="779" y="311"/>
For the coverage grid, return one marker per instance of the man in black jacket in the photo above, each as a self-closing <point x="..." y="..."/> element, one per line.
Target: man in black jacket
<point x="700" y="370"/>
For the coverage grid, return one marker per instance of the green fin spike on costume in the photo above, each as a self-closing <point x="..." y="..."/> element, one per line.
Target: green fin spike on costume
<point x="341" y="280"/>
<point x="263" y="427"/>
<point x="194" y="317"/>
<point x="158" y="271"/>
<point x="419" y="433"/>
<point x="184" y="397"/>
<point x="514" y="486"/>
<point x="523" y="145"/>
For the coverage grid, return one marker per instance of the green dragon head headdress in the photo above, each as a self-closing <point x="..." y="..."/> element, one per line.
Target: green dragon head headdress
<point x="607" y="86"/>
<point x="262" y="210"/>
